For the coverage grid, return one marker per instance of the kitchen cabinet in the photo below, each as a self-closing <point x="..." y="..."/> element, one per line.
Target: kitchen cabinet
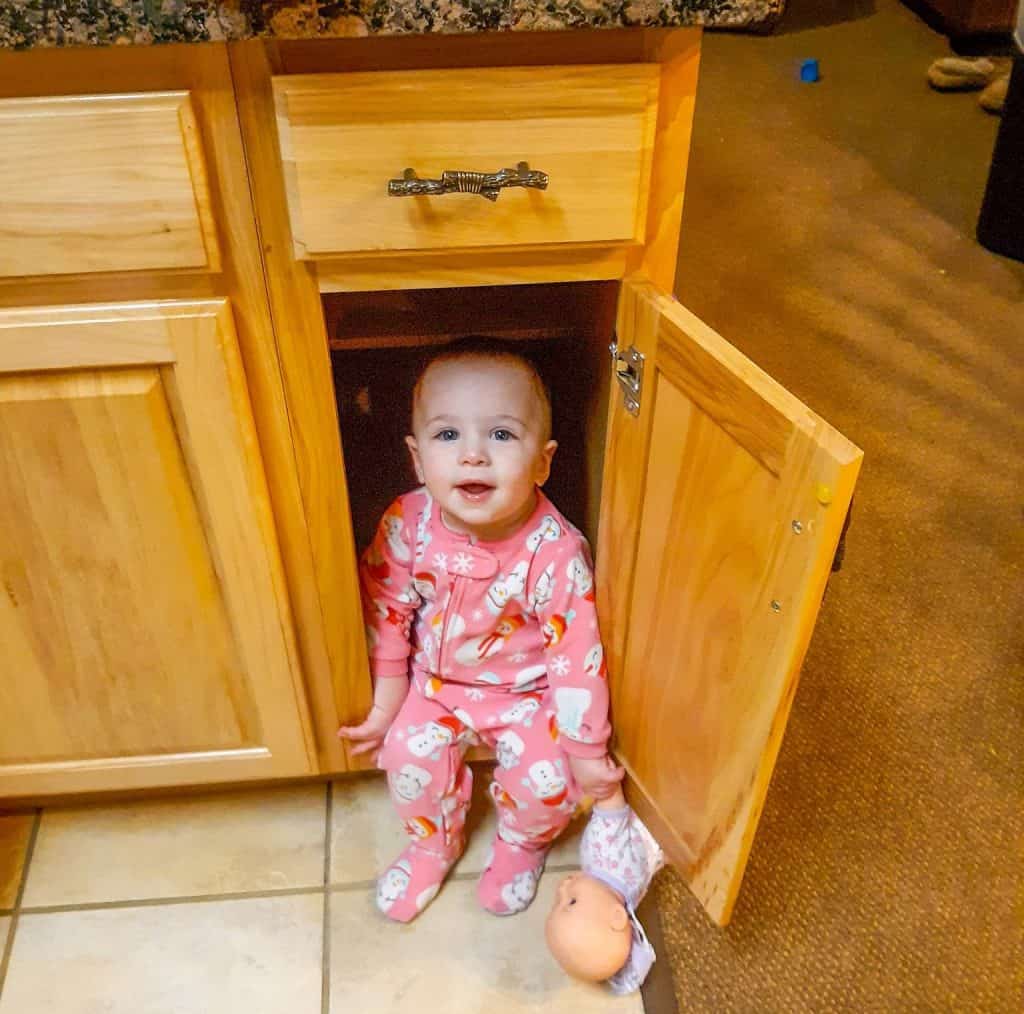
<point x="714" y="498"/>
<point x="226" y="384"/>
<point x="147" y="482"/>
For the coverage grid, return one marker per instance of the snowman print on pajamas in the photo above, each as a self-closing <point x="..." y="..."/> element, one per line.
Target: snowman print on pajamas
<point x="425" y="585"/>
<point x="583" y="581"/>
<point x="393" y="533"/>
<point x="547" y="782"/>
<point x="420" y="827"/>
<point x="503" y="800"/>
<point x="409" y="782"/>
<point x="393" y="885"/>
<point x="423" y="537"/>
<point x="594" y="664"/>
<point x="554" y="628"/>
<point x="509" y="747"/>
<point x="548" y="530"/>
<point x="478" y="649"/>
<point x="521" y="713"/>
<point x="429" y="740"/>
<point x="544" y="589"/>
<point x="571" y="704"/>
<point x="506" y="587"/>
<point x="519" y="892"/>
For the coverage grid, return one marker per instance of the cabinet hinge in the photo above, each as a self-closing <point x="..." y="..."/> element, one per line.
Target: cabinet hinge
<point x="629" y="371"/>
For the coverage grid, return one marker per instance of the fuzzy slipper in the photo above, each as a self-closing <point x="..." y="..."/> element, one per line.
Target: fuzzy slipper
<point x="955" y="73"/>
<point x="993" y="98"/>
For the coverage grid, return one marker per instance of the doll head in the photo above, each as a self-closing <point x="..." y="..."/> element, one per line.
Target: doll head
<point x="588" y="929"/>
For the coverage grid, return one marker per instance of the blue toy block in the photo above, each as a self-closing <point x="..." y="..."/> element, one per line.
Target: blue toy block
<point x="809" y="71"/>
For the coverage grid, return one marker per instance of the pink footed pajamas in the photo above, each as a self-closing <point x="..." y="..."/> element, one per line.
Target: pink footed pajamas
<point x="505" y="650"/>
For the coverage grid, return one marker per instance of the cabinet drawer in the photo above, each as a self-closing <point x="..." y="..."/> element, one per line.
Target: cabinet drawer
<point x="344" y="136"/>
<point x="103" y="183"/>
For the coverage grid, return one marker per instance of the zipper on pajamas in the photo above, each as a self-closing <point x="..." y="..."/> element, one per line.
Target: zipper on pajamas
<point x="457" y="586"/>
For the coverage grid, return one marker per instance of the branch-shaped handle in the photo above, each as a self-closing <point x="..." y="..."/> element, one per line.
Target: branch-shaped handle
<point x="453" y="181"/>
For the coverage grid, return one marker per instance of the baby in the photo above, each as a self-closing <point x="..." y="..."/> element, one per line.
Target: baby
<point x="478" y="598"/>
<point x="592" y="929"/>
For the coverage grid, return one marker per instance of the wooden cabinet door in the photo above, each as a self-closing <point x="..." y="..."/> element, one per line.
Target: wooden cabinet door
<point x="145" y="630"/>
<point x="723" y="502"/>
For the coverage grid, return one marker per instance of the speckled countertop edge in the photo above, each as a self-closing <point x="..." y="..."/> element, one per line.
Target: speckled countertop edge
<point x="25" y="24"/>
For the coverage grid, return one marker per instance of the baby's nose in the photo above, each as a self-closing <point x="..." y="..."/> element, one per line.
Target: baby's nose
<point x="473" y="455"/>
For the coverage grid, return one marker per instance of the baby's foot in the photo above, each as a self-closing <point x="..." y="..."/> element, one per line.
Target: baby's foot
<point x="510" y="879"/>
<point x="412" y="881"/>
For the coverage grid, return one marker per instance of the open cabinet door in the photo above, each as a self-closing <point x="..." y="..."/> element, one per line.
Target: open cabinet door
<point x="723" y="501"/>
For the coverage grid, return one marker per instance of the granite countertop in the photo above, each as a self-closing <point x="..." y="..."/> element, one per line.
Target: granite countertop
<point x="28" y="23"/>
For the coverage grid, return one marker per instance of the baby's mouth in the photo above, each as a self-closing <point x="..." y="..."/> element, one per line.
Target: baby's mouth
<point x="474" y="490"/>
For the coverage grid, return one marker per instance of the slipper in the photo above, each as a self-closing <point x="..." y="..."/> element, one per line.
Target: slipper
<point x="954" y="73"/>
<point x="993" y="98"/>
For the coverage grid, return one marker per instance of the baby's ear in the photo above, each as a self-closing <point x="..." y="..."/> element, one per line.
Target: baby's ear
<point x="617" y="918"/>
<point x="544" y="465"/>
<point x="414" y="451"/>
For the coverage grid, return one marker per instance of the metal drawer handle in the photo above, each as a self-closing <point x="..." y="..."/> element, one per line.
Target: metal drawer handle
<point x="487" y="185"/>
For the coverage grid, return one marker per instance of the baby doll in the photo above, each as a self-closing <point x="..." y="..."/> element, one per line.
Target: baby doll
<point x="592" y="929"/>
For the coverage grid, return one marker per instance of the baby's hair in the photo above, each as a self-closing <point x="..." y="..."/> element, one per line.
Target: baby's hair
<point x="494" y="349"/>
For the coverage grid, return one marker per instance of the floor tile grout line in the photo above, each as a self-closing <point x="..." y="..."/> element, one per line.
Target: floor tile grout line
<point x="325" y="957"/>
<point x="363" y="885"/>
<point x="182" y="899"/>
<point x="5" y="958"/>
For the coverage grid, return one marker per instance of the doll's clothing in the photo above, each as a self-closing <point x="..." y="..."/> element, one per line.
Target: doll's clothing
<point x="617" y="849"/>
<point x="465" y="617"/>
<point x="511" y="874"/>
<point x="431" y="785"/>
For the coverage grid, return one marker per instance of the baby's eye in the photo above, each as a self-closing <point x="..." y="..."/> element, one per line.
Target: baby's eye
<point x="448" y="434"/>
<point x="572" y="901"/>
<point x="503" y="434"/>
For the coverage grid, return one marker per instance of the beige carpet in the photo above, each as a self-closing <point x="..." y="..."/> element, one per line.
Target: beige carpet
<point x="829" y="234"/>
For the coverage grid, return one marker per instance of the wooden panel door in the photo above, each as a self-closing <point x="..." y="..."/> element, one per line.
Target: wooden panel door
<point x="722" y="507"/>
<point x="146" y="633"/>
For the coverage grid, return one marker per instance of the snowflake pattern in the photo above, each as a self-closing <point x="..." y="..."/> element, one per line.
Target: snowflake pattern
<point x="519" y="656"/>
<point x="473" y="694"/>
<point x="463" y="563"/>
<point x="561" y="665"/>
<point x="441" y="560"/>
<point x="478" y="614"/>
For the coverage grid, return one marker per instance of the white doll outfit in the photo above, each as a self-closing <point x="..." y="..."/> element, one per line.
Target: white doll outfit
<point x="618" y="850"/>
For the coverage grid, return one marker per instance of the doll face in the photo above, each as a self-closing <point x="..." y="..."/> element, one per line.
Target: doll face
<point x="480" y="444"/>
<point x="587" y="929"/>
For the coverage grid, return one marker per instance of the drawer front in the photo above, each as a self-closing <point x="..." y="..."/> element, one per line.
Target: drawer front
<point x="103" y="183"/>
<point x="344" y="136"/>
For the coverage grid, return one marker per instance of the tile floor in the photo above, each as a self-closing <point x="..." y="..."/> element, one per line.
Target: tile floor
<point x="260" y="902"/>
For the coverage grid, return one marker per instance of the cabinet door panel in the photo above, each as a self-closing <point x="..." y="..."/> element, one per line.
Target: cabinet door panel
<point x="147" y="639"/>
<point x="723" y="504"/>
<point x="103" y="183"/>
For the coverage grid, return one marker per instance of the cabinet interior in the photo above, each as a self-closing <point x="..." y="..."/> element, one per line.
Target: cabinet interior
<point x="379" y="342"/>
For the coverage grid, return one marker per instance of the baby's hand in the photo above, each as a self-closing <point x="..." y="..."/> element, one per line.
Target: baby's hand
<point x="597" y="777"/>
<point x="388" y="696"/>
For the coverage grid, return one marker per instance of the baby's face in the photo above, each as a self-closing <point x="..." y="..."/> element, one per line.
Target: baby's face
<point x="479" y="444"/>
